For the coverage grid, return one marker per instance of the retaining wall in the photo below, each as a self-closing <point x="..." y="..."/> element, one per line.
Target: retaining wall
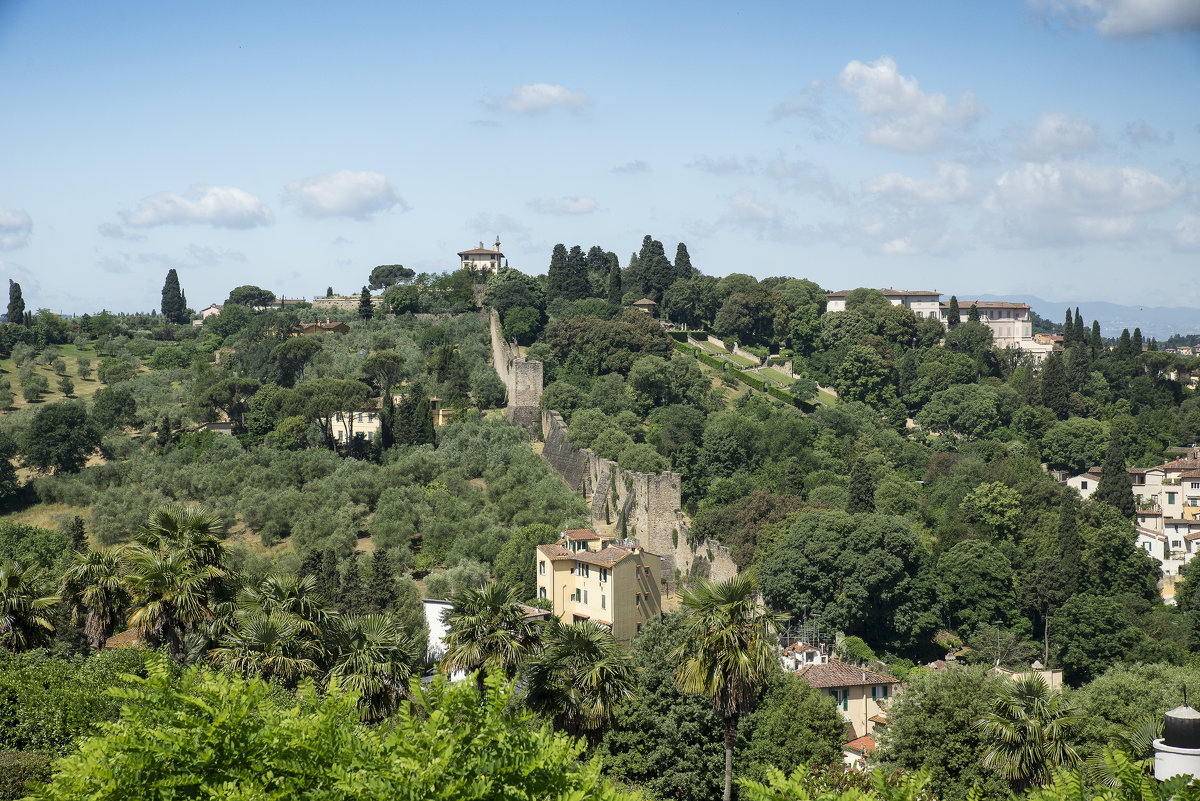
<point x="522" y="379"/>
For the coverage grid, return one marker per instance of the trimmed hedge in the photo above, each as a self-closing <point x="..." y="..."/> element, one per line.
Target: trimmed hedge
<point x="678" y="336"/>
<point x="21" y="768"/>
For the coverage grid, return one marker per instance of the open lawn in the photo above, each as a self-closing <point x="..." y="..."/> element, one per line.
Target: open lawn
<point x="84" y="388"/>
<point x="741" y="361"/>
<point x="775" y="375"/>
<point x="712" y="349"/>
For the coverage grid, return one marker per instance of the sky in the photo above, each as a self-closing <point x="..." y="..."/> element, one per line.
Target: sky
<point x="1045" y="147"/>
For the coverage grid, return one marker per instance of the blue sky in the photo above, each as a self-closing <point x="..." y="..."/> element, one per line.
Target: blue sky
<point x="1050" y="147"/>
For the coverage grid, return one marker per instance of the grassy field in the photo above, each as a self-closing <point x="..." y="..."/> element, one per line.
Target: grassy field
<point x="741" y="361"/>
<point x="713" y="349"/>
<point x="84" y="388"/>
<point x="775" y="375"/>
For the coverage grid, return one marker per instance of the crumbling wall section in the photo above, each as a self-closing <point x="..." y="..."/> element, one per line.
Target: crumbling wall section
<point x="522" y="379"/>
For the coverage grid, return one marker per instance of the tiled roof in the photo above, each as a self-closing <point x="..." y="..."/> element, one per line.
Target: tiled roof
<point x="841" y="293"/>
<point x="1149" y="513"/>
<point x="480" y="252"/>
<point x="863" y="745"/>
<point x="1190" y="474"/>
<point x="880" y="719"/>
<point x="644" y="302"/>
<point x="1181" y="464"/>
<point x="603" y="558"/>
<point x="579" y="534"/>
<point x="839" y="674"/>
<point x="986" y="304"/>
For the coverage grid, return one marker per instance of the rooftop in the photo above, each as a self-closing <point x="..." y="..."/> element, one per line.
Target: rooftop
<point x="862" y="745"/>
<point x="841" y="293"/>
<point x="606" y="557"/>
<point x="581" y="534"/>
<point x="839" y="674"/>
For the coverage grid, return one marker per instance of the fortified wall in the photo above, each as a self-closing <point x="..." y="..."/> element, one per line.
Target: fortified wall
<point x="522" y="380"/>
<point x="642" y="506"/>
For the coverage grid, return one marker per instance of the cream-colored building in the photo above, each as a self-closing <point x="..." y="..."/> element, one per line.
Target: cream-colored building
<point x="346" y="426"/>
<point x="482" y="258"/>
<point x="589" y="577"/>
<point x="922" y="303"/>
<point x="861" y="695"/>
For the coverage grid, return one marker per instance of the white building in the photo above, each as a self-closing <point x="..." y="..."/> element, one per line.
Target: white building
<point x="923" y="304"/>
<point x="482" y="258"/>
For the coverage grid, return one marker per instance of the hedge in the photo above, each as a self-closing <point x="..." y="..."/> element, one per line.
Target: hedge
<point x="20" y="768"/>
<point x="678" y="336"/>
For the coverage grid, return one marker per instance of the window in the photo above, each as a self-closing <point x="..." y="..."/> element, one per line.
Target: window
<point x="578" y="596"/>
<point x="637" y="599"/>
<point x="541" y="568"/>
<point x="585" y="596"/>
<point x="1170" y="497"/>
<point x="637" y="572"/>
<point x="1196" y="485"/>
<point x="541" y="592"/>
<point x="585" y="571"/>
<point x="604" y="574"/>
<point x="1083" y="485"/>
<point x="639" y="628"/>
<point x="879" y="692"/>
<point x="603" y="601"/>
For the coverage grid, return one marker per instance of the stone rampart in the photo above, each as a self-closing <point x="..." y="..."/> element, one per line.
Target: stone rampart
<point x="641" y="506"/>
<point x="522" y="379"/>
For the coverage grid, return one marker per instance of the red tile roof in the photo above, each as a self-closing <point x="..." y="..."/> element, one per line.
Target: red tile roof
<point x="604" y="558"/>
<point x="839" y="674"/>
<point x="579" y="534"/>
<point x="862" y="745"/>
<point x="480" y="251"/>
<point x="841" y="293"/>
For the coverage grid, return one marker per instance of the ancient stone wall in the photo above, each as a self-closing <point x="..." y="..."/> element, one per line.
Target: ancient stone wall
<point x="641" y="506"/>
<point x="522" y="379"/>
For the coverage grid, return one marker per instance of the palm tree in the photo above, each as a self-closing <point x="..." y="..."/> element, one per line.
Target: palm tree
<point x="729" y="651"/>
<point x="271" y="644"/>
<point x="1028" y="727"/>
<point x="93" y="588"/>
<point x="579" y="677"/>
<point x="191" y="528"/>
<point x="292" y="594"/>
<point x="371" y="656"/>
<point x="485" y="626"/>
<point x="26" y="601"/>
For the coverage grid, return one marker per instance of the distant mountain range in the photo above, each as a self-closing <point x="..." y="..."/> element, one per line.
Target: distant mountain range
<point x="1159" y="322"/>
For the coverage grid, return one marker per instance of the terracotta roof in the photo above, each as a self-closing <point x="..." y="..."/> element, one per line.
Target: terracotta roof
<point x="129" y="638"/>
<point x="1190" y="474"/>
<point x="1181" y="464"/>
<point x="480" y="252"/>
<point x="556" y="552"/>
<point x="1149" y="513"/>
<point x="531" y="612"/>
<point x="579" y="534"/>
<point x="839" y="674"/>
<point x="880" y="719"/>
<point x="644" y="302"/>
<point x="841" y="293"/>
<point x="863" y="745"/>
<point x="603" y="558"/>
<point x="965" y="305"/>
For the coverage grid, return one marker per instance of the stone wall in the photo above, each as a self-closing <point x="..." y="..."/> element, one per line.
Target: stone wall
<point x="641" y="506"/>
<point x="522" y="379"/>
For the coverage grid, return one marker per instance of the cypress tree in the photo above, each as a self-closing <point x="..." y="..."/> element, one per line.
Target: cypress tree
<point x="353" y="596"/>
<point x="613" y="288"/>
<point x="382" y="585"/>
<point x="328" y="581"/>
<point x="575" y="284"/>
<point x="683" y="263"/>
<point x="79" y="540"/>
<point x="1116" y="485"/>
<point x="422" y="422"/>
<point x="556" y="276"/>
<point x="365" y="307"/>
<point x="16" y="303"/>
<point x="973" y="314"/>
<point x="387" y="422"/>
<point x="1054" y="386"/>
<point x="1096" y="343"/>
<point x="1080" y="331"/>
<point x="1068" y="330"/>
<point x="862" y="489"/>
<point x="1079" y="366"/>
<point x="329" y="292"/>
<point x="458" y="383"/>
<point x="173" y="306"/>
<point x="952" y="319"/>
<point x="1070" y="546"/>
<point x="1124" y="347"/>
<point x="163" y="435"/>
<point x="1136" y="342"/>
<point x="310" y="565"/>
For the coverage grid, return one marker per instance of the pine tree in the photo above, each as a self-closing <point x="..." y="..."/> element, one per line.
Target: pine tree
<point x="1054" y="386"/>
<point x="1116" y="485"/>
<point x="381" y="589"/>
<point x="556" y="276"/>
<point x="174" y="308"/>
<point x="365" y="308"/>
<point x="352" y="595"/>
<point x="952" y="319"/>
<point x="613" y="287"/>
<point x="862" y="489"/>
<point x="16" y="303"/>
<point x="973" y="314"/>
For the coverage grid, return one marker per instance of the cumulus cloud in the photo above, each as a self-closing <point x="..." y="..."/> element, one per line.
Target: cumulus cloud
<point x="564" y="205"/>
<point x="888" y="230"/>
<point x="531" y="98"/>
<point x="632" y="167"/>
<point x="746" y="211"/>
<point x="345" y="193"/>
<point x="1187" y="233"/>
<point x="1123" y="17"/>
<point x="1055" y="135"/>
<point x="950" y="184"/>
<point x="15" y="228"/>
<point x="805" y="177"/>
<point x="898" y="114"/>
<point x="218" y="206"/>
<point x="114" y="231"/>
<point x="1056" y="203"/>
<point x="809" y="106"/>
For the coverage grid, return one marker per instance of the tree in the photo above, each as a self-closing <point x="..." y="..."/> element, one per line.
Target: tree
<point x="93" y="588"/>
<point x="1116" y="485"/>
<point x="381" y="587"/>
<point x="34" y="387"/>
<point x="612" y="286"/>
<point x="292" y="355"/>
<point x="60" y="438"/>
<point x="352" y="594"/>
<point x="250" y="295"/>
<point x="952" y="315"/>
<point x="579" y="677"/>
<point x="556" y="275"/>
<point x="862" y="488"/>
<point x="66" y="386"/>
<point x="16" y="303"/>
<point x="793" y="725"/>
<point x="1091" y="633"/>
<point x="386" y="275"/>
<point x="26" y="601"/>
<point x="1029" y="726"/>
<point x="683" y="263"/>
<point x="365" y="307"/>
<point x="270" y="644"/>
<point x="174" y="308"/>
<point x="370" y="656"/>
<point x="486" y="629"/>
<point x="975" y="583"/>
<point x="973" y="314"/>
<point x="513" y="565"/>
<point x="232" y="397"/>
<point x="401" y="299"/>
<point x="730" y="653"/>
<point x="10" y="483"/>
<point x="1055" y="394"/>
<point x="384" y="369"/>
<point x="575" y="279"/>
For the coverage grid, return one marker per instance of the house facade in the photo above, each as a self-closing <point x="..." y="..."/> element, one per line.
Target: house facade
<point x="861" y="695"/>
<point x="482" y="258"/>
<point x="922" y="303"/>
<point x="586" y="576"/>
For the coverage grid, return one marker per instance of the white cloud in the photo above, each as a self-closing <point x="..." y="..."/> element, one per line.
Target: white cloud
<point x="632" y="167"/>
<point x="15" y="228"/>
<point x="897" y="231"/>
<point x="747" y="212"/>
<point x="1139" y="133"/>
<point x="218" y="206"/>
<point x="564" y="205"/>
<point x="1124" y="17"/>
<point x="1187" y="233"/>
<point x="899" y="116"/>
<point x="114" y="231"/>
<point x="729" y="165"/>
<point x="809" y="105"/>
<point x="1056" y="135"/>
<point x="951" y="184"/>
<point x="806" y="177"/>
<point x="1067" y="202"/>
<point x="345" y="193"/>
<point x="531" y="98"/>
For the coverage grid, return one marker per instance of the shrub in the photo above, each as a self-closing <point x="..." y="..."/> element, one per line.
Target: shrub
<point x="21" y="769"/>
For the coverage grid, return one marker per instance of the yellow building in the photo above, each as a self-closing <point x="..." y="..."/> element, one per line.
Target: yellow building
<point x="589" y="577"/>
<point x="861" y="695"/>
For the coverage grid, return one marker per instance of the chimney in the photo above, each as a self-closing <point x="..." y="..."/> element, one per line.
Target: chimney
<point x="1177" y="752"/>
